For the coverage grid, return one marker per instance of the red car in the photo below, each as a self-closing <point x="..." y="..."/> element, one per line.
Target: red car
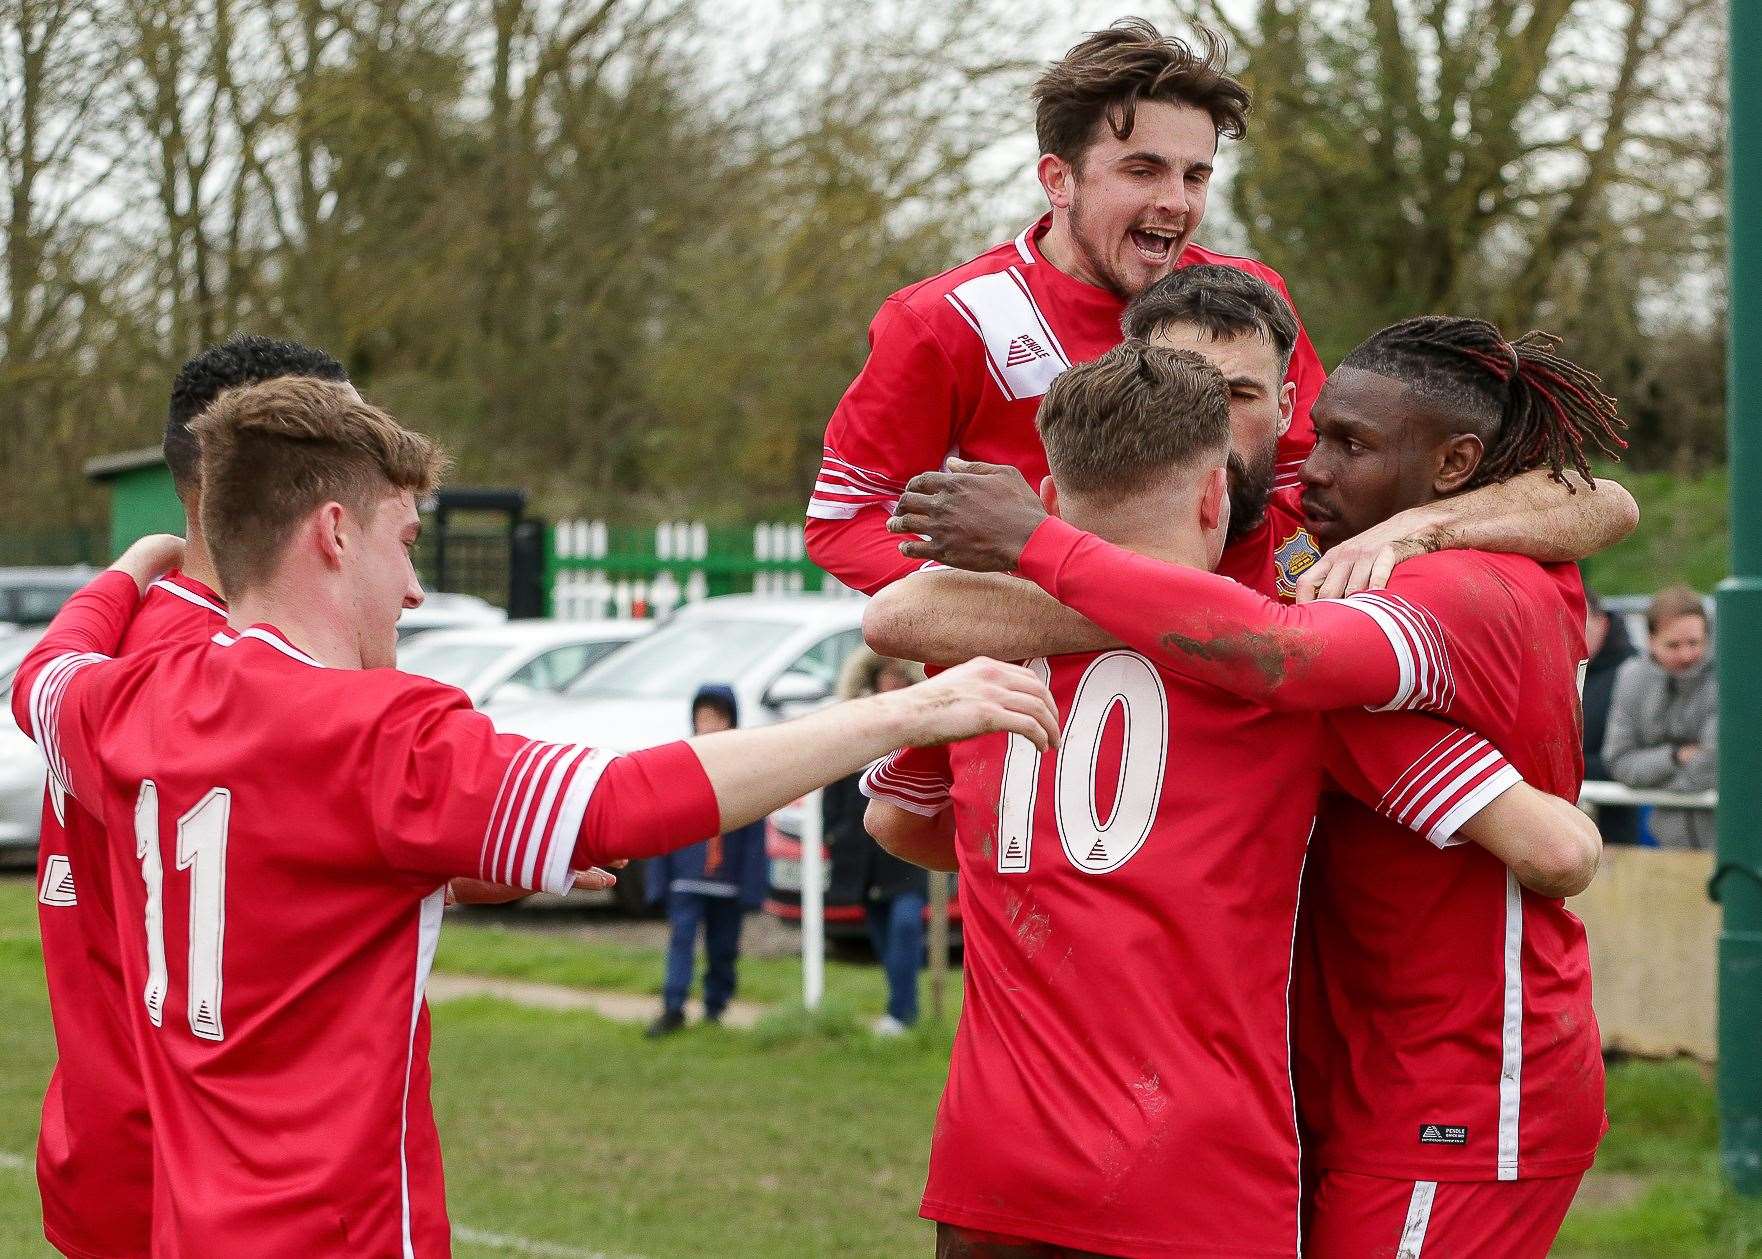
<point x="843" y="911"/>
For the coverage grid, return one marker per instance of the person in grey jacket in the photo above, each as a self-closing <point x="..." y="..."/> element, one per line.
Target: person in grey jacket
<point x="1664" y="717"/>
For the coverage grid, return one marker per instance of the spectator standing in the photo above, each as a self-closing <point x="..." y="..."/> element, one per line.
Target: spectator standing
<point x="711" y="885"/>
<point x="1609" y="646"/>
<point x="1664" y="716"/>
<point x="893" y="893"/>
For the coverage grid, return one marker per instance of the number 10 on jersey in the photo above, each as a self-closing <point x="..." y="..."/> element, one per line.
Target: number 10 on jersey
<point x="1122" y="679"/>
<point x="201" y="849"/>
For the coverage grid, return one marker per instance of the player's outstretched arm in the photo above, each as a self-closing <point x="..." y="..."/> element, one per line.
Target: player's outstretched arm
<point x="944" y="616"/>
<point x="923" y="841"/>
<point x="756" y="771"/>
<point x="1550" y="844"/>
<point x="984" y="518"/>
<point x="1531" y="514"/>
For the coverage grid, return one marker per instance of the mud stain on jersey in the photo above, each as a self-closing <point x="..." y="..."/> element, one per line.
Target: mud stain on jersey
<point x="1273" y="653"/>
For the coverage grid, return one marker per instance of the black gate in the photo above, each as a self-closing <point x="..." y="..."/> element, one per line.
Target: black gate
<point x="480" y="541"/>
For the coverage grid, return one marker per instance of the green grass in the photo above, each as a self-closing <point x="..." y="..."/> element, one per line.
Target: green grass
<point x="487" y="944"/>
<point x="1684" y="534"/>
<point x="803" y="1138"/>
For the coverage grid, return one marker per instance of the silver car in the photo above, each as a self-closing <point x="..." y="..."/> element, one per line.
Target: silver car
<point x="22" y="773"/>
<point x="517" y="660"/>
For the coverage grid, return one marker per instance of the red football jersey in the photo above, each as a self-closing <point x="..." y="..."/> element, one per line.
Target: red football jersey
<point x="293" y="828"/>
<point x="1121" y="1077"/>
<point x="95" y="1148"/>
<point x="1272" y="557"/>
<point x="1449" y="1030"/>
<point x="957" y="366"/>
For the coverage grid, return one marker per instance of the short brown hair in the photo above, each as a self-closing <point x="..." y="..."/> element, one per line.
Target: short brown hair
<point x="274" y="451"/>
<point x="1111" y="425"/>
<point x="1110" y="71"/>
<point x="1224" y="301"/>
<point x="1672" y="602"/>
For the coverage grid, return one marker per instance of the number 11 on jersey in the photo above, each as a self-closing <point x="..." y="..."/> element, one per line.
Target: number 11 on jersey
<point x="201" y="849"/>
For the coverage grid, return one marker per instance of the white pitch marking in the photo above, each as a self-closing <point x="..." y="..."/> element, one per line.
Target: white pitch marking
<point x="16" y="1162"/>
<point x="528" y="1246"/>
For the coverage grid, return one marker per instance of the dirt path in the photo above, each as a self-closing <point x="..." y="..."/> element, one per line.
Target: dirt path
<point x="626" y="1007"/>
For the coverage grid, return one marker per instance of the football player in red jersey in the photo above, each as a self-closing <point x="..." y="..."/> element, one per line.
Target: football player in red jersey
<point x="1450" y="1062"/>
<point x="297" y="807"/>
<point x="1129" y="905"/>
<point x="1239" y="323"/>
<point x="94" y="1149"/>
<point x="1128" y="125"/>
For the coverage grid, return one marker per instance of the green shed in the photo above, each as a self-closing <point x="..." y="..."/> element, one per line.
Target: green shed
<point x="142" y="499"/>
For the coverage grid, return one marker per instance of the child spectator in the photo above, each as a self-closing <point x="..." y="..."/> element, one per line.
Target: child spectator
<point x="713" y="884"/>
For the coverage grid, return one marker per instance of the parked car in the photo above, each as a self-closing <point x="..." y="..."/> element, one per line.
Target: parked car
<point x="781" y="654"/>
<point x="22" y="772"/>
<point x="517" y="660"/>
<point x="32" y="596"/>
<point x="843" y="914"/>
<point x="444" y="610"/>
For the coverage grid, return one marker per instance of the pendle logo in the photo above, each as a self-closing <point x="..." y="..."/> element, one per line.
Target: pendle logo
<point x="1443" y="1134"/>
<point x="1025" y="349"/>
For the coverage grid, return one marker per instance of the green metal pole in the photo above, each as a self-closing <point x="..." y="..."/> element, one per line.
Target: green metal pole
<point x="1737" y="882"/>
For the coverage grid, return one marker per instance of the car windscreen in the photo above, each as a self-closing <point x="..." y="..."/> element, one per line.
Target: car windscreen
<point x="456" y="664"/>
<point x="676" y="660"/>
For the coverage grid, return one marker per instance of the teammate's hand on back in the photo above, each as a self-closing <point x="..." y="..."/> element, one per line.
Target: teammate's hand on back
<point x="976" y="516"/>
<point x="148" y="558"/>
<point x="978" y="697"/>
<point x="1366" y="562"/>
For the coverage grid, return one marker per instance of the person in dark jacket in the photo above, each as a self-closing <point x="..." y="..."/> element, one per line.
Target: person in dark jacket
<point x="893" y="893"/>
<point x="711" y="885"/>
<point x="1609" y="644"/>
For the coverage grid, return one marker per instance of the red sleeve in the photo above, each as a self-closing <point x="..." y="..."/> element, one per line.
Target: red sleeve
<point x="454" y="797"/>
<point x="918" y="780"/>
<point x="897" y="419"/>
<point x="1419" y="772"/>
<point x="1458" y="633"/>
<point x="53" y="686"/>
<point x="1203" y="626"/>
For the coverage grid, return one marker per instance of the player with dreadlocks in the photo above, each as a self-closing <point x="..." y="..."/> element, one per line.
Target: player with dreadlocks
<point x="1450" y="1073"/>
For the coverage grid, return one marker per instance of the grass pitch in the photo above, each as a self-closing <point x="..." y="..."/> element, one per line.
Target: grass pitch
<point x="568" y="1136"/>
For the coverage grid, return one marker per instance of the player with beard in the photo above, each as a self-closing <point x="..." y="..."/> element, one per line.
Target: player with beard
<point x="1246" y="330"/>
<point x="1129" y="902"/>
<point x="1449" y="1062"/>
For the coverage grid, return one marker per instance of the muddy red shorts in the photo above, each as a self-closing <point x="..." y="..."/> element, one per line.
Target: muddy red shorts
<point x="1370" y="1217"/>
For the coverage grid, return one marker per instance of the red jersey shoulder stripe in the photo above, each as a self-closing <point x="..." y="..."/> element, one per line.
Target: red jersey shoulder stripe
<point x="1427" y="677"/>
<point x="1447" y="786"/>
<point x="530" y="837"/>
<point x="923" y="794"/>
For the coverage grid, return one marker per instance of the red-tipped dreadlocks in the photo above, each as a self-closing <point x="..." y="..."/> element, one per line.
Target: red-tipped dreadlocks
<point x="1531" y="407"/>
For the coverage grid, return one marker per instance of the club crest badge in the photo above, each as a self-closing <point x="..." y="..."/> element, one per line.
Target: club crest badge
<point x="1292" y="558"/>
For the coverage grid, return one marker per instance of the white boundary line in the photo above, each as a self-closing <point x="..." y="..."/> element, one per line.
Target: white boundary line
<point x="528" y="1246"/>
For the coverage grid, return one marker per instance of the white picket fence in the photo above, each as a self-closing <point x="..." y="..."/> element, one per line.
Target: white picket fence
<point x="582" y="592"/>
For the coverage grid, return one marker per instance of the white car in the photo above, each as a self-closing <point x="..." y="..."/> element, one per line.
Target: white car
<point x="22" y="773"/>
<point x="781" y="654"/>
<point x="445" y="610"/>
<point x="517" y="660"/>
